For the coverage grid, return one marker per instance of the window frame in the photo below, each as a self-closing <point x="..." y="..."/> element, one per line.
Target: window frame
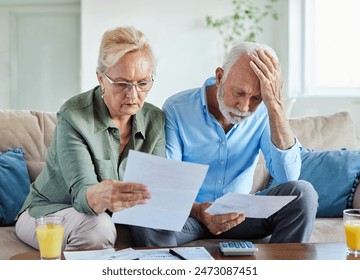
<point x="302" y="69"/>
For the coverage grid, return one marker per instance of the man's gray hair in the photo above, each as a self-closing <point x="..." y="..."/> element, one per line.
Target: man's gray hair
<point x="247" y="48"/>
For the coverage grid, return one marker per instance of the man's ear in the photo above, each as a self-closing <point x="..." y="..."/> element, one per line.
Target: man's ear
<point x="219" y="75"/>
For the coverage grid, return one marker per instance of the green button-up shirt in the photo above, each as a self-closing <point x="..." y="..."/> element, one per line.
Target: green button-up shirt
<point x="85" y="150"/>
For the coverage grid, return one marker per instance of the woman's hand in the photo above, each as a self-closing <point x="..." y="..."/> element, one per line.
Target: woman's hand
<point x="116" y="196"/>
<point x="216" y="224"/>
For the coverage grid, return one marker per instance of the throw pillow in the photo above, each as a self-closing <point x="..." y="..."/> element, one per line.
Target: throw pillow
<point x="14" y="184"/>
<point x="334" y="175"/>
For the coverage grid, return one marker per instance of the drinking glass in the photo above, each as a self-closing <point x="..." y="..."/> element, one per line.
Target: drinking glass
<point x="50" y="233"/>
<point x="351" y="219"/>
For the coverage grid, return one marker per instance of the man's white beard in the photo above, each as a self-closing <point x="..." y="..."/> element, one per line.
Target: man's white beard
<point x="232" y="115"/>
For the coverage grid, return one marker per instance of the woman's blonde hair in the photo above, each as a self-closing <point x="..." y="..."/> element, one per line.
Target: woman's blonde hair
<point x="117" y="42"/>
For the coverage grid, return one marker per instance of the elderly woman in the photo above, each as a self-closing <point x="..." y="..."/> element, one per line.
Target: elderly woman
<point x="82" y="177"/>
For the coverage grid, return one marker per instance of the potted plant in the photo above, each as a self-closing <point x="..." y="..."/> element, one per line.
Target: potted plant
<point x="244" y="23"/>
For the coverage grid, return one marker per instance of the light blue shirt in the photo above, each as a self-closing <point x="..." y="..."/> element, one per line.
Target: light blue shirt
<point x="194" y="135"/>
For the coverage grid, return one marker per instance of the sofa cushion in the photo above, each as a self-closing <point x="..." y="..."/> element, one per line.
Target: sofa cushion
<point x="31" y="130"/>
<point x="328" y="230"/>
<point x="331" y="132"/>
<point x="334" y="175"/>
<point x="10" y="244"/>
<point x="14" y="184"/>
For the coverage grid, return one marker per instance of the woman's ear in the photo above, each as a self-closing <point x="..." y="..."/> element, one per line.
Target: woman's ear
<point x="100" y="80"/>
<point x="219" y="75"/>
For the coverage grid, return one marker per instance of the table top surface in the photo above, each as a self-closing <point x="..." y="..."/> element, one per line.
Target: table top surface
<point x="279" y="251"/>
<point x="291" y="251"/>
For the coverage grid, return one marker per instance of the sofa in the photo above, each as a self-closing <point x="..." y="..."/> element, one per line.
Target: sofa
<point x="32" y="131"/>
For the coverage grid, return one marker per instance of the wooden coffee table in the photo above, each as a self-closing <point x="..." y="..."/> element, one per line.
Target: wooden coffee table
<point x="282" y="251"/>
<point x="290" y="251"/>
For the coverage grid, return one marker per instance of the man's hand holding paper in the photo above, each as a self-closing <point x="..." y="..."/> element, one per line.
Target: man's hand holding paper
<point x="252" y="206"/>
<point x="217" y="223"/>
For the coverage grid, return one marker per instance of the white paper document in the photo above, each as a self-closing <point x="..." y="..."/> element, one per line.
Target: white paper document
<point x="178" y="253"/>
<point x="105" y="254"/>
<point x="173" y="186"/>
<point x="253" y="206"/>
<point x="157" y="255"/>
<point x="88" y="255"/>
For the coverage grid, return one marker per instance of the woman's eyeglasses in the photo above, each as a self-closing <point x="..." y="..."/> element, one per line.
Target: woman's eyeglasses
<point x="125" y="87"/>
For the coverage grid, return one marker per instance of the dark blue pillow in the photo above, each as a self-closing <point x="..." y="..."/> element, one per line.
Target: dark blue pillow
<point x="14" y="184"/>
<point x="334" y="175"/>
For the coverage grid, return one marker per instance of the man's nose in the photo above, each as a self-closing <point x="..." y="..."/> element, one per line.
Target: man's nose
<point x="244" y="104"/>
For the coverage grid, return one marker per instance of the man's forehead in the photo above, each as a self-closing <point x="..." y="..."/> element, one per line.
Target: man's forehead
<point x="244" y="59"/>
<point x="242" y="68"/>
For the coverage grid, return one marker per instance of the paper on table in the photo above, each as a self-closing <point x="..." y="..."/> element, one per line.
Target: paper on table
<point x="253" y="206"/>
<point x="105" y="254"/>
<point x="188" y="253"/>
<point x="88" y="255"/>
<point x="173" y="186"/>
<point x="157" y="254"/>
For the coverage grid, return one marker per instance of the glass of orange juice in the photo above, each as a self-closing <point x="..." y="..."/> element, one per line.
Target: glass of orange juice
<point x="352" y="230"/>
<point x="50" y="233"/>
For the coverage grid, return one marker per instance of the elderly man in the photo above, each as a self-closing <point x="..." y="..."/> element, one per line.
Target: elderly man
<point x="225" y="124"/>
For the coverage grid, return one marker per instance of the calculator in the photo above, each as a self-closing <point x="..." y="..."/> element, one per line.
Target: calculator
<point x="236" y="248"/>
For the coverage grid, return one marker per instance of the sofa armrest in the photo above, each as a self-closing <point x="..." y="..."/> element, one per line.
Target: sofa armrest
<point x="261" y="175"/>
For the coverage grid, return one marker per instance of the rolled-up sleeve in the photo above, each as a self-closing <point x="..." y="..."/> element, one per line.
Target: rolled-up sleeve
<point x="283" y="165"/>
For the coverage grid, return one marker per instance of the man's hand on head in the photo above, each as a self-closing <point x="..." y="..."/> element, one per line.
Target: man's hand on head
<point x="268" y="71"/>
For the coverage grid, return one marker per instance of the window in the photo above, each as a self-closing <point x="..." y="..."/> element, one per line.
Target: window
<point x="326" y="47"/>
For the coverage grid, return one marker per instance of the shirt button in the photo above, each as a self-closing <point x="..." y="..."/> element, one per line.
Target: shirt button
<point x="219" y="181"/>
<point x="222" y="162"/>
<point x="222" y="142"/>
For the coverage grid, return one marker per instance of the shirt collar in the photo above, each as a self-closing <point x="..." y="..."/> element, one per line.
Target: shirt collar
<point x="102" y="118"/>
<point x="208" y="83"/>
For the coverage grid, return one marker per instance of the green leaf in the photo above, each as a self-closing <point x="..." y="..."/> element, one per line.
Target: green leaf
<point x="243" y="23"/>
<point x="251" y="37"/>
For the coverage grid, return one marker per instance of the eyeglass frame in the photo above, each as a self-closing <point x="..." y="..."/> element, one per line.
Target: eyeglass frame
<point x="131" y="85"/>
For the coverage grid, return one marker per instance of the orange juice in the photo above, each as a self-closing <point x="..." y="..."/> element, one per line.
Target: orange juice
<point x="50" y="238"/>
<point x="352" y="231"/>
